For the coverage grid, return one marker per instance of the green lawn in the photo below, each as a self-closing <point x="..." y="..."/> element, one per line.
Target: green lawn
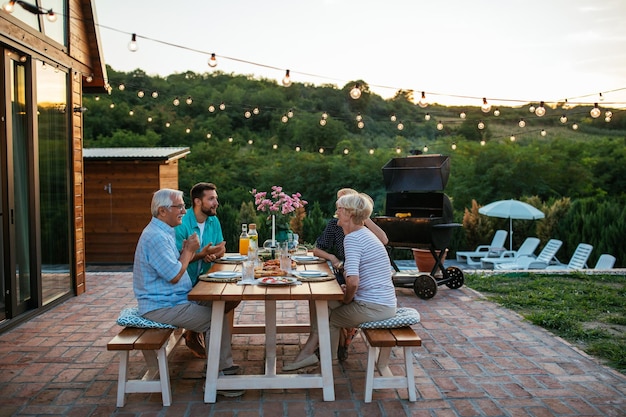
<point x="588" y="311"/>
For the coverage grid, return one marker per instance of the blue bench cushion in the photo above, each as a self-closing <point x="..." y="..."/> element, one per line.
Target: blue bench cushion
<point x="404" y="317"/>
<point x="129" y="317"/>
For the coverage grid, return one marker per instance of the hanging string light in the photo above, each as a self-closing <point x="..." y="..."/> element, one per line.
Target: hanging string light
<point x="595" y="112"/>
<point x="10" y="6"/>
<point x="486" y="107"/>
<point x="132" y="45"/>
<point x="155" y="94"/>
<point x="393" y="118"/>
<point x="355" y="93"/>
<point x="496" y="112"/>
<point x="541" y="110"/>
<point x="521" y="123"/>
<point x="287" y="79"/>
<point x="422" y="101"/>
<point x="463" y="115"/>
<point x="212" y="61"/>
<point x="481" y="125"/>
<point x="543" y="132"/>
<point x="400" y="126"/>
<point x="512" y="138"/>
<point x="427" y="116"/>
<point x="439" y="126"/>
<point x="563" y="119"/>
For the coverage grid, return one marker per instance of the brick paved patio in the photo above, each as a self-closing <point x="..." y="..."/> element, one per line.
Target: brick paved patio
<point x="477" y="359"/>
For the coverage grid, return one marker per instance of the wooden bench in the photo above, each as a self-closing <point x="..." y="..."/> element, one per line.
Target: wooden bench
<point x="156" y="345"/>
<point x="380" y="342"/>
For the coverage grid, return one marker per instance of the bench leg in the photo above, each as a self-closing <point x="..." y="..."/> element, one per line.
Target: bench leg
<point x="369" y="376"/>
<point x="164" y="377"/>
<point x="122" y="378"/>
<point x="410" y="375"/>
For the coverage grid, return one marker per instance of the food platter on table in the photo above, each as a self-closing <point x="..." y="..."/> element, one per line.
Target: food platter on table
<point x="277" y="280"/>
<point x="270" y="268"/>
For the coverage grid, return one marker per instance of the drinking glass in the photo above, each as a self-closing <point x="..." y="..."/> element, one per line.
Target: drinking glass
<point x="247" y="271"/>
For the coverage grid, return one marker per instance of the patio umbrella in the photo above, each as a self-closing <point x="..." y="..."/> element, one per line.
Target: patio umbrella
<point x="511" y="209"/>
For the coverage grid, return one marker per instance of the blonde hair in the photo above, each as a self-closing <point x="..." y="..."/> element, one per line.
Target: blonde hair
<point x="346" y="191"/>
<point x="359" y="205"/>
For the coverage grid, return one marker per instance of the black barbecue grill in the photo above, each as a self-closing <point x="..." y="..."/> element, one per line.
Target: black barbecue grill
<point x="419" y="215"/>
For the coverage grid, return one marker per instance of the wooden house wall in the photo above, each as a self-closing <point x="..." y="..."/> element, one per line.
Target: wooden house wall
<point x="113" y="222"/>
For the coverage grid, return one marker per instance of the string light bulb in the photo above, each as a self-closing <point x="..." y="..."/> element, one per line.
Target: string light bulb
<point x="393" y="118"/>
<point x="132" y="45"/>
<point x="575" y="126"/>
<point x="359" y="117"/>
<point x="563" y="119"/>
<point x="222" y="106"/>
<point x="453" y="146"/>
<point x="275" y="146"/>
<point x="371" y="151"/>
<point x="290" y="113"/>
<point x="324" y="115"/>
<point x="482" y="142"/>
<point x="541" y="110"/>
<point x="360" y="125"/>
<point x="531" y="109"/>
<point x="521" y="123"/>
<point x="422" y="101"/>
<point x="284" y="119"/>
<point x="155" y="94"/>
<point x="9" y="6"/>
<point x="496" y="112"/>
<point x="543" y="132"/>
<point x="595" y="112"/>
<point x="212" y="61"/>
<point x="323" y="122"/>
<point x="297" y="148"/>
<point x="250" y="141"/>
<point x="247" y="114"/>
<point x="463" y="115"/>
<point x="189" y="100"/>
<point x="176" y="101"/>
<point x="321" y="150"/>
<point x="439" y="126"/>
<point x="512" y="138"/>
<point x="140" y="94"/>
<point x="400" y="126"/>
<point x="208" y="135"/>
<point x="346" y="151"/>
<point x="51" y="16"/>
<point x="211" y="108"/>
<point x="425" y="148"/>
<point x="398" y="150"/>
<point x="427" y="116"/>
<point x="486" y="107"/>
<point x="287" y="79"/>
<point x="256" y="111"/>
<point x="481" y="125"/>
<point x="355" y="93"/>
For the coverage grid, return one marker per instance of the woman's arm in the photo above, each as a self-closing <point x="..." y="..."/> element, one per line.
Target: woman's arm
<point x="380" y="233"/>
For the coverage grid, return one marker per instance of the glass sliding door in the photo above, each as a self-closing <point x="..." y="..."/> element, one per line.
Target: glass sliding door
<point x="54" y="182"/>
<point x="18" y="203"/>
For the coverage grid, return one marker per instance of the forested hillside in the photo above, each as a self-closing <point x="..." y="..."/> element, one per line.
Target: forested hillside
<point x="317" y="139"/>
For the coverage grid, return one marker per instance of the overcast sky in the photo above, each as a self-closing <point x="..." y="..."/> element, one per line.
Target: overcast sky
<point x="518" y="50"/>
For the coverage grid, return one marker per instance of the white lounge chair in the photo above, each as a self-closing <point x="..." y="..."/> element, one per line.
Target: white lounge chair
<point x="545" y="258"/>
<point x="578" y="260"/>
<point x="527" y="249"/>
<point x="605" y="261"/>
<point x="473" y="257"/>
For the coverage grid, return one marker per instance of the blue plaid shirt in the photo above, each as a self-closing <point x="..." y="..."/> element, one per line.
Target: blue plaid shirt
<point x="156" y="264"/>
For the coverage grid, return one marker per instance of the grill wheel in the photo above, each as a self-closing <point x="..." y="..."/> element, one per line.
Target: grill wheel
<point x="455" y="277"/>
<point x="425" y="286"/>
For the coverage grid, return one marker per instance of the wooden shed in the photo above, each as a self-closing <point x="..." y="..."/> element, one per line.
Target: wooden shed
<point x="119" y="183"/>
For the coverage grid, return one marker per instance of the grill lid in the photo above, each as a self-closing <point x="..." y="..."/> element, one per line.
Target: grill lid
<point x="419" y="173"/>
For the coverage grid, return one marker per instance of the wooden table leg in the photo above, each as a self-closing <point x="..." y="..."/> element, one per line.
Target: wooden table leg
<point x="326" y="359"/>
<point x="270" y="337"/>
<point x="213" y="356"/>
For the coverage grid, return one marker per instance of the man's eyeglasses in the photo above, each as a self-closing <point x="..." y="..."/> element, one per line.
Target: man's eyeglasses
<point x="180" y="207"/>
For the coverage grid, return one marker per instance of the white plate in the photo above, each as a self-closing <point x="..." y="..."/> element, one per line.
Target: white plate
<point x="224" y="274"/>
<point x="276" y="281"/>
<point x="234" y="258"/>
<point x="311" y="274"/>
<point x="299" y="258"/>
